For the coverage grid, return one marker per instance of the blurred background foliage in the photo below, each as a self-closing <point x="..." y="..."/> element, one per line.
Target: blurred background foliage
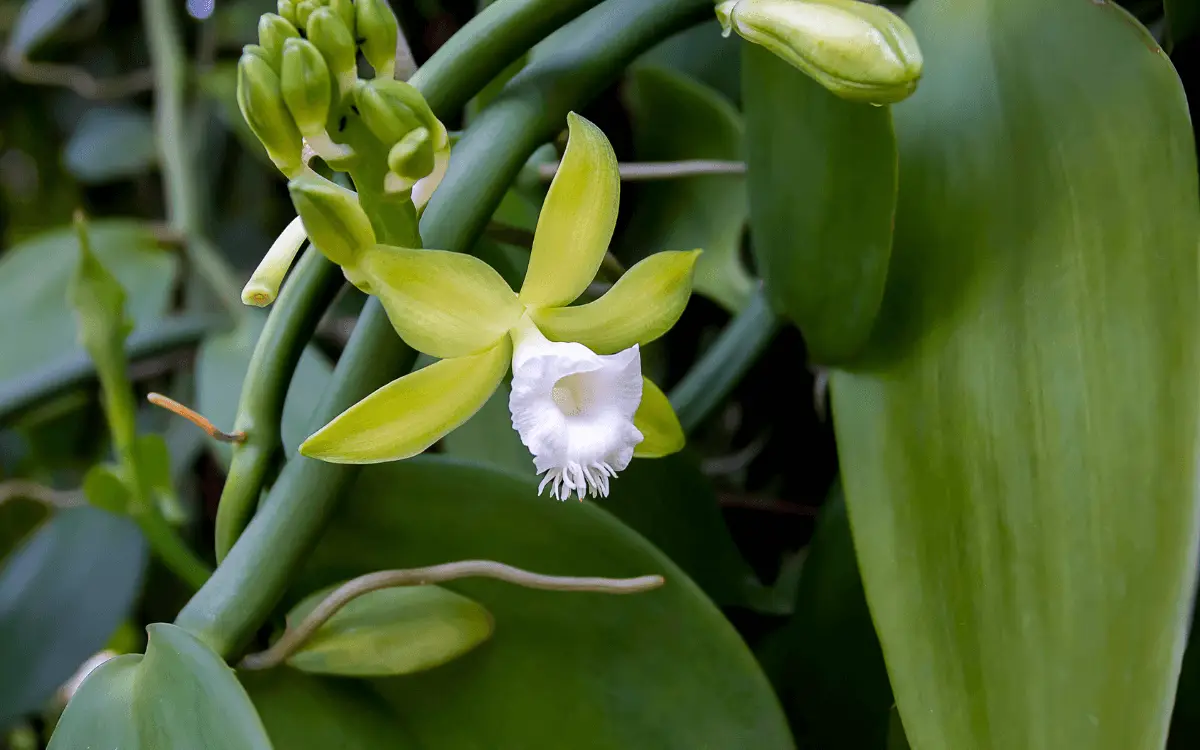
<point x="751" y="510"/>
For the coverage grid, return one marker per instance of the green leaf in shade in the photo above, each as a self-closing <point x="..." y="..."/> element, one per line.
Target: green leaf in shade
<point x="35" y="274"/>
<point x="105" y="489"/>
<point x="1183" y="18"/>
<point x="37" y="21"/>
<point x="154" y="463"/>
<point x="676" y="118"/>
<point x="110" y="143"/>
<point x="390" y="632"/>
<point x="702" y="53"/>
<point x="221" y="367"/>
<point x="826" y="663"/>
<point x="822" y="182"/>
<point x="489" y="438"/>
<point x="63" y="592"/>
<point x="661" y="669"/>
<point x="305" y="712"/>
<point x="1019" y="447"/>
<point x="179" y="695"/>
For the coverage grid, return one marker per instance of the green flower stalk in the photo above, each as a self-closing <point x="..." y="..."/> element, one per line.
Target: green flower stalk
<point x="858" y="51"/>
<point x="579" y="400"/>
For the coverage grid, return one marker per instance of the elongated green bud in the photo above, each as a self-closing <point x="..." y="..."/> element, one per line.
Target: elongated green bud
<point x="385" y="116"/>
<point x="304" y="9"/>
<point x="858" y="51"/>
<point x="409" y="160"/>
<point x="287" y="10"/>
<point x="273" y="31"/>
<point x="335" y="223"/>
<point x="377" y="26"/>
<point x="345" y="11"/>
<point x="329" y="34"/>
<point x="261" y="101"/>
<point x="306" y="86"/>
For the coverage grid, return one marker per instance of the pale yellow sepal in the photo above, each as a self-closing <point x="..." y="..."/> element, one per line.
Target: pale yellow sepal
<point x="655" y="419"/>
<point x="640" y="307"/>
<point x="441" y="303"/>
<point x="408" y="415"/>
<point x="577" y="219"/>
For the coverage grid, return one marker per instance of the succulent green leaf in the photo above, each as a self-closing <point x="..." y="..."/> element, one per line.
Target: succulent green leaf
<point x="577" y="219"/>
<point x="442" y="303"/>
<point x="377" y="26"/>
<point x="640" y="307"/>
<point x="858" y="51"/>
<point x="1019" y="455"/>
<point x="823" y="183"/>
<point x="391" y="631"/>
<point x="333" y="220"/>
<point x="306" y="86"/>
<point x="662" y="434"/>
<point x="408" y="415"/>
<point x="178" y="695"/>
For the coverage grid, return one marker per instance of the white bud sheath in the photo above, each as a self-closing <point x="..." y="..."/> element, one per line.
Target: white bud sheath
<point x="574" y="410"/>
<point x="263" y="286"/>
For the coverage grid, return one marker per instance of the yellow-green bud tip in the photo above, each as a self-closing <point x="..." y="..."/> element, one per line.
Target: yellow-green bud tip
<point x="264" y="285"/>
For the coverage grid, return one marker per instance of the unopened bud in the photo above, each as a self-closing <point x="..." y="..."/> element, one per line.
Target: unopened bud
<point x="287" y="10"/>
<point x="263" y="287"/>
<point x="261" y="101"/>
<point x="385" y="116"/>
<point x="304" y="81"/>
<point x="377" y="26"/>
<point x="423" y="190"/>
<point x="304" y="9"/>
<point x="335" y="223"/>
<point x="273" y="31"/>
<point x="409" y="160"/>
<point x="329" y="34"/>
<point x="345" y="11"/>
<point x="858" y="51"/>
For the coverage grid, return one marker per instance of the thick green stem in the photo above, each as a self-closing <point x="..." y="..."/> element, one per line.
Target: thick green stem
<point x="716" y="373"/>
<point x="314" y="284"/>
<point x="533" y="108"/>
<point x="179" y="171"/>
<point x="21" y="395"/>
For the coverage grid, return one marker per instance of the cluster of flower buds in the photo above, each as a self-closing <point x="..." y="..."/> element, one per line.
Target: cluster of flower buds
<point x="858" y="51"/>
<point x="298" y="88"/>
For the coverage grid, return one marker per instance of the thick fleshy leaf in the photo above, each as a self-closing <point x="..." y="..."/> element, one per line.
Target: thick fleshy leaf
<point x="63" y="592"/>
<point x="661" y="669"/>
<point x="390" y="632"/>
<point x="178" y="695"/>
<point x="1019" y="452"/>
<point x="443" y="304"/>
<point x="640" y="307"/>
<point x="577" y="219"/>
<point x="822" y="181"/>
<point x="657" y="422"/>
<point x="410" y="414"/>
<point x="677" y="118"/>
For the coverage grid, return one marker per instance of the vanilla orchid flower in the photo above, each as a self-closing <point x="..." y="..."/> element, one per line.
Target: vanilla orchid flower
<point x="579" y="400"/>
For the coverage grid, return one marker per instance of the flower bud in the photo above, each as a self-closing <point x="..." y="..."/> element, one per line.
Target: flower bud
<point x="264" y="285"/>
<point x="378" y="28"/>
<point x="304" y="9"/>
<point x="385" y="116"/>
<point x="262" y="105"/>
<point x="410" y="160"/>
<point x="858" y="51"/>
<point x="329" y="34"/>
<point x="345" y="11"/>
<point x="287" y="10"/>
<point x="273" y="31"/>
<point x="335" y="223"/>
<point x="304" y="81"/>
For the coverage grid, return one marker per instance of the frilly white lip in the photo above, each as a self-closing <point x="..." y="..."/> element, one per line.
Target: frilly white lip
<point x="574" y="411"/>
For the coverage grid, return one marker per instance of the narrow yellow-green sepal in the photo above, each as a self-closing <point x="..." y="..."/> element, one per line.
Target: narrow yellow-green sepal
<point x="640" y="307"/>
<point x="577" y="219"/>
<point x="408" y="415"/>
<point x="441" y="303"/>
<point x="662" y="434"/>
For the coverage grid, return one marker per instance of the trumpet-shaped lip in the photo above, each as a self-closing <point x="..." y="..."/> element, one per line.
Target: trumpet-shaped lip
<point x="574" y="411"/>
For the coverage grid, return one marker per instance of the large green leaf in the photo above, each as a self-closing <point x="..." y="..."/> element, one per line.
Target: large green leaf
<point x="822" y="182"/>
<point x="62" y="594"/>
<point x="826" y="663"/>
<point x="676" y="118"/>
<point x="1019" y="453"/>
<point x="33" y="289"/>
<point x="179" y="695"/>
<point x="223" y="362"/>
<point x="704" y="54"/>
<point x="661" y="669"/>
